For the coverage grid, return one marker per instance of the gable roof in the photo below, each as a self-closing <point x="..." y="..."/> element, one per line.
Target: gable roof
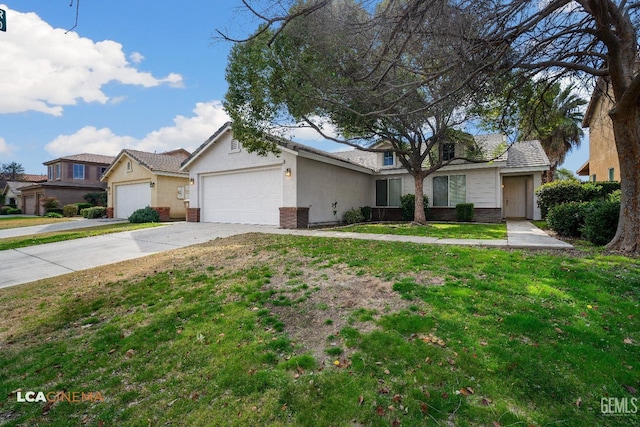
<point x="289" y="145"/>
<point x="163" y="164"/>
<point x="15" y="186"/>
<point x="602" y="87"/>
<point x="527" y="154"/>
<point x="84" y="158"/>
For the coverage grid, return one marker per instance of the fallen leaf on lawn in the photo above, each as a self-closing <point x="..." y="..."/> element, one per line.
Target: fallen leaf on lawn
<point x="395" y="423"/>
<point x="113" y="350"/>
<point x="589" y="306"/>
<point x="386" y="371"/>
<point x="630" y="389"/>
<point x="424" y="407"/>
<point x="130" y="353"/>
<point x="427" y="394"/>
<point x="485" y="401"/>
<point x="496" y="424"/>
<point x="483" y="343"/>
<point x="284" y="407"/>
<point x="380" y="411"/>
<point x="296" y="376"/>
<point x="360" y="400"/>
<point x="336" y="362"/>
<point x="427" y="360"/>
<point x="466" y="391"/>
<point x="391" y="408"/>
<point x="445" y="395"/>
<point x="397" y="398"/>
<point x="628" y="340"/>
<point x="383" y="390"/>
<point x="100" y="423"/>
<point x="579" y="402"/>
<point x="558" y="330"/>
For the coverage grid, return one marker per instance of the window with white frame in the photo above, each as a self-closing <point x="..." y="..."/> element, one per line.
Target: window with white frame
<point x="388" y="192"/>
<point x="50" y="173"/>
<point x="449" y="190"/>
<point x="129" y="166"/>
<point x="78" y="171"/>
<point x="448" y="152"/>
<point x="387" y="158"/>
<point x="58" y="171"/>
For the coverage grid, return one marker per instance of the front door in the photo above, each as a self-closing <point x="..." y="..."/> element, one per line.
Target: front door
<point x="514" y="196"/>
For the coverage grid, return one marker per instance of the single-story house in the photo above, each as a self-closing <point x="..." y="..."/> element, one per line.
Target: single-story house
<point x="302" y="186"/>
<point x="69" y="179"/>
<point x="137" y="179"/>
<point x="12" y="189"/>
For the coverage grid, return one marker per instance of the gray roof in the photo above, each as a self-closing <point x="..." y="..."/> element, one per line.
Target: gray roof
<point x="367" y="159"/>
<point x="85" y="158"/>
<point x="527" y="154"/>
<point x="15" y="186"/>
<point x="164" y="162"/>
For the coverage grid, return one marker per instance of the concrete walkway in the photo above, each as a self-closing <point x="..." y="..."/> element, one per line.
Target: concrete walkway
<point x="40" y="262"/>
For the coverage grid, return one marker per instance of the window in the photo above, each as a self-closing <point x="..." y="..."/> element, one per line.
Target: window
<point x="235" y="146"/>
<point x="611" y="174"/>
<point x="449" y="190"/>
<point x="388" y="192"/>
<point x="593" y="178"/>
<point x="387" y="159"/>
<point x="58" y="171"/>
<point x="78" y="171"/>
<point x="50" y="173"/>
<point x="129" y="166"/>
<point x="448" y="152"/>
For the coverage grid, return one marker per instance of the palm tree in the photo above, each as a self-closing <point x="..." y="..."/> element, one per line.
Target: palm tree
<point x="554" y="118"/>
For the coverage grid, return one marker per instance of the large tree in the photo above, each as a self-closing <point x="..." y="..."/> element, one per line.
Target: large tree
<point x="546" y="38"/>
<point x="12" y="171"/>
<point x="369" y="75"/>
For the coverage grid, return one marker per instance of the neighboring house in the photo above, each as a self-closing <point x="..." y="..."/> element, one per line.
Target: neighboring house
<point x="69" y="178"/>
<point x="302" y="186"/>
<point x="137" y="179"/>
<point x="11" y="190"/>
<point x="603" y="163"/>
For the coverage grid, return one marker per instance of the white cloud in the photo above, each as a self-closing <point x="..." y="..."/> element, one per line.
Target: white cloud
<point x="5" y="148"/>
<point x="136" y="57"/>
<point x="186" y="132"/>
<point x="43" y="69"/>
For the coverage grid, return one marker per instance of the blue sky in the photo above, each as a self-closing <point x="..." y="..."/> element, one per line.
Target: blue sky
<point x="147" y="75"/>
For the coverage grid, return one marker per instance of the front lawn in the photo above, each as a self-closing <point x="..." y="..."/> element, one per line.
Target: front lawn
<point x="437" y="230"/>
<point x="59" y="236"/>
<point x="282" y="330"/>
<point x="22" y="221"/>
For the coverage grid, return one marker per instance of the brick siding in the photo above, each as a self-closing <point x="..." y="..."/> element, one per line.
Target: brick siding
<point x="294" y="217"/>
<point x="193" y="214"/>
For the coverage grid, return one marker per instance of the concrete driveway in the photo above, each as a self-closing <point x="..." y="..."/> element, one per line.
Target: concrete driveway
<point x="40" y="262"/>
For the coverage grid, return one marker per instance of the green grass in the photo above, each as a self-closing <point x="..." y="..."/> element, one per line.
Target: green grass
<point x="437" y="230"/>
<point x="525" y="336"/>
<point x="59" y="236"/>
<point x="21" y="221"/>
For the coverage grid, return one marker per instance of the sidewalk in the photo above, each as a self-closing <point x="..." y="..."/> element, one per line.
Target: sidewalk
<point x="43" y="261"/>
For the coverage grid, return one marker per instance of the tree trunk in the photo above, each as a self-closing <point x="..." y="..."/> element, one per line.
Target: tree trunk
<point x="626" y="130"/>
<point x="418" y="213"/>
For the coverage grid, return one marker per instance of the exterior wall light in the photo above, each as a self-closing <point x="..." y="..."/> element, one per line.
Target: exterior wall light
<point x="152" y="184"/>
<point x="287" y="172"/>
<point x="191" y="181"/>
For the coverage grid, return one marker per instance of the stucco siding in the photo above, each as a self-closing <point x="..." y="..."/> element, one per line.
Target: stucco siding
<point x="320" y="185"/>
<point x="119" y="175"/>
<point x="166" y="195"/>
<point x="602" y="149"/>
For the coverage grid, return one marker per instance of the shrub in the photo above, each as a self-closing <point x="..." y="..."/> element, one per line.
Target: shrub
<point x="145" y="215"/>
<point x="353" y="216"/>
<point x="614" y="196"/>
<point x="54" y="210"/>
<point x="14" y="211"/>
<point x="4" y="209"/>
<point x="366" y="212"/>
<point x="49" y="203"/>
<point x="83" y="206"/>
<point x="408" y="206"/>
<point x="567" y="219"/>
<point x="96" y="199"/>
<point x="600" y="221"/>
<point x="464" y="212"/>
<point x="54" y="215"/>
<point x="558" y="192"/>
<point x="94" y="212"/>
<point x="70" y="210"/>
<point x="607" y="187"/>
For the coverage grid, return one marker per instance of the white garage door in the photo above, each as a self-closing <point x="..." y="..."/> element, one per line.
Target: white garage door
<point x="131" y="197"/>
<point x="249" y="197"/>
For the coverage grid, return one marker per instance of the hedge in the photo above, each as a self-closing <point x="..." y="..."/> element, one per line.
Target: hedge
<point x="464" y="212"/>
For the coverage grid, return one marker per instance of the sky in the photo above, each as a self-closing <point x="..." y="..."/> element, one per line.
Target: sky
<point x="144" y="75"/>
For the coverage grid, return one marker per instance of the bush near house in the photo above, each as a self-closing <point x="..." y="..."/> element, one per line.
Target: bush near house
<point x="353" y="216"/>
<point x="50" y="204"/>
<point x="408" y="206"/>
<point x="94" y="212"/>
<point x="83" y="206"/>
<point x="96" y="199"/>
<point x="567" y="219"/>
<point x="601" y="221"/>
<point x="559" y="192"/>
<point x="464" y="212"/>
<point x="8" y="210"/>
<point x="70" y="210"/>
<point x="366" y="212"/>
<point x="147" y="214"/>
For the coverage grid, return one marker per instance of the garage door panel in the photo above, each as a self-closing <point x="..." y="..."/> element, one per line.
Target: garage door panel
<point x="248" y="197"/>
<point x="131" y="197"/>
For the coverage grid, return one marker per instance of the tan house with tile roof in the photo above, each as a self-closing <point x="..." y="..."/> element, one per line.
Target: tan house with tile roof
<point x="137" y="179"/>
<point x="603" y="163"/>
<point x="69" y="178"/>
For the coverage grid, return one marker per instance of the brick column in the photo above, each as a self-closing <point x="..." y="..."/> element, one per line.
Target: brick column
<point x="109" y="212"/>
<point x="193" y="214"/>
<point x="294" y="217"/>
<point x="163" y="212"/>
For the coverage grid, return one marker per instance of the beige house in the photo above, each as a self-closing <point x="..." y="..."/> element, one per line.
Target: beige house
<point x="603" y="164"/>
<point x="137" y="179"/>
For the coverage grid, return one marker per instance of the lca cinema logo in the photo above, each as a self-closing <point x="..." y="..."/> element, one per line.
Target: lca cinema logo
<point x="58" y="396"/>
<point x="619" y="406"/>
